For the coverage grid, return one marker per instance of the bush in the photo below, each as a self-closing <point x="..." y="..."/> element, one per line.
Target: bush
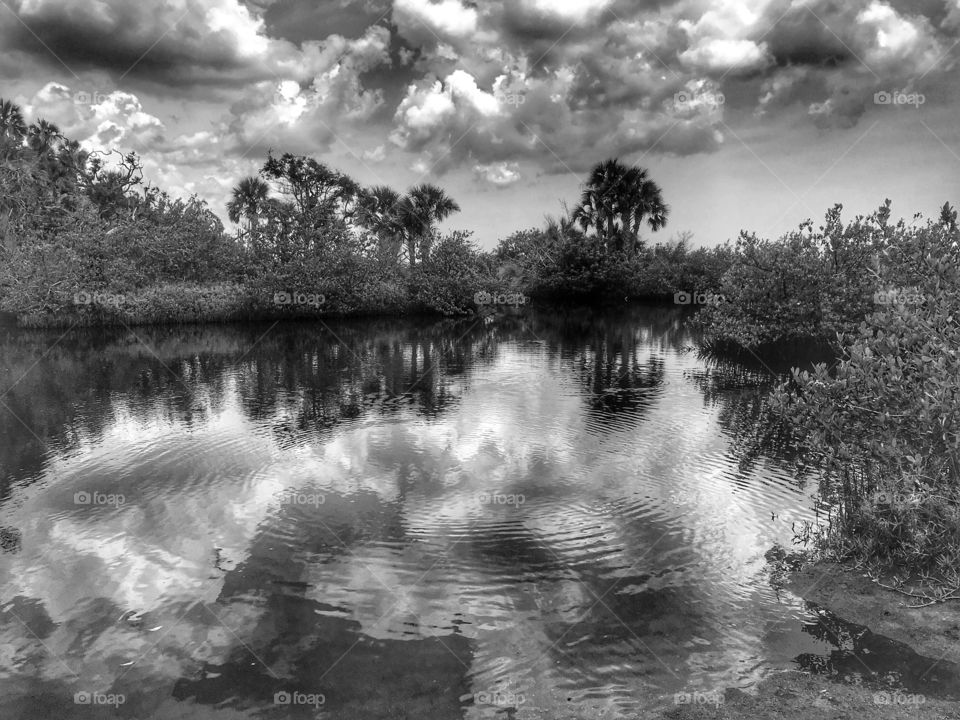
<point x="166" y="303"/>
<point x="450" y="278"/>
<point x="807" y="284"/>
<point x="884" y="427"/>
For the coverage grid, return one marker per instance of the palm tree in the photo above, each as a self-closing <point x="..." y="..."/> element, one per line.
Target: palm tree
<point x="12" y="129"/>
<point x="249" y="198"/>
<point x="12" y="125"/>
<point x="616" y="200"/>
<point x="420" y="210"/>
<point x="378" y="211"/>
<point x="43" y="136"/>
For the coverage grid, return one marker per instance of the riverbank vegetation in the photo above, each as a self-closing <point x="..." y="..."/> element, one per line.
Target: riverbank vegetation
<point x="84" y="240"/>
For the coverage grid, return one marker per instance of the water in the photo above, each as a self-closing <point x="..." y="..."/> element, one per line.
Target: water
<point x="549" y="515"/>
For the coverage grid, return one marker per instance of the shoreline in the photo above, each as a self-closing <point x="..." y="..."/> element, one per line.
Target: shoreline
<point x="882" y="620"/>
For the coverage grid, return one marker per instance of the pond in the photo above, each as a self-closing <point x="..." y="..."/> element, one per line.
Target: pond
<point x="548" y="514"/>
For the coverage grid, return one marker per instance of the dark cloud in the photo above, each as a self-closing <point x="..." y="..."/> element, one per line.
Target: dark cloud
<point x="302" y="20"/>
<point x="208" y="41"/>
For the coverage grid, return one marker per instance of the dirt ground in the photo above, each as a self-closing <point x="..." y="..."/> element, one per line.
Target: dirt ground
<point x="933" y="632"/>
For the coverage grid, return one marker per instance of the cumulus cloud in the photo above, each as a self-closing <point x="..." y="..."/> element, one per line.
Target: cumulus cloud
<point x="306" y="116"/>
<point x="486" y="88"/>
<point x="425" y="22"/>
<point x="719" y="40"/>
<point x="174" y="42"/>
<point x="894" y="42"/>
<point x="113" y="120"/>
<point x="725" y="55"/>
<point x="499" y="175"/>
<point x="573" y="11"/>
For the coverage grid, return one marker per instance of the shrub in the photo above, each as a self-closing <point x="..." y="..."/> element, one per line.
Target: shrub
<point x="450" y="278"/>
<point x="884" y="427"/>
<point x="807" y="284"/>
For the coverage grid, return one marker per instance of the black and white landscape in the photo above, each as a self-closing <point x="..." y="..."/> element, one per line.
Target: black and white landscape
<point x="533" y="359"/>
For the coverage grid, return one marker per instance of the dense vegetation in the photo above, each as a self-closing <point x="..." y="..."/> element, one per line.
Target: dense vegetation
<point x="84" y="240"/>
<point x="883" y="427"/>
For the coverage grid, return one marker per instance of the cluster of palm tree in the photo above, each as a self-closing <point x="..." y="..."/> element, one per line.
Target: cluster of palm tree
<point x="395" y="222"/>
<point x="409" y="220"/>
<point x="42" y="171"/>
<point x="42" y="137"/>
<point x="615" y="202"/>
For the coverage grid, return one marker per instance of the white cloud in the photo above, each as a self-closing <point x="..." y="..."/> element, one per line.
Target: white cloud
<point x="426" y="109"/>
<point x="575" y="11"/>
<point x="719" y="40"/>
<point x="500" y="174"/>
<point x="378" y="154"/>
<point x="893" y="42"/>
<point x="422" y="20"/>
<point x="722" y="54"/>
<point x="112" y="120"/>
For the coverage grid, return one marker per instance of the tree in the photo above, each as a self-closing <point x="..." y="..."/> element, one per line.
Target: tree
<point x="948" y="217"/>
<point x="378" y="212"/>
<point x="12" y="129"/>
<point x="12" y="125"/>
<point x="420" y="210"/>
<point x="616" y="201"/>
<point x="248" y="201"/>
<point x="318" y="191"/>
<point x="113" y="190"/>
<point x="43" y="137"/>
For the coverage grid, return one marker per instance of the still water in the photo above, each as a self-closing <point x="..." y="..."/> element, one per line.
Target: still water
<point x="549" y="515"/>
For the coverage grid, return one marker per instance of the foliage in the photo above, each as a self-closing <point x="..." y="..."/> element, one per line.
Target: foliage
<point x="808" y="284"/>
<point x="884" y="426"/>
<point x="448" y="280"/>
<point x="615" y="202"/>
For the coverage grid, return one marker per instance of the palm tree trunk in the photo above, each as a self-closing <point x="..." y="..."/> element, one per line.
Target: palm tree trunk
<point x="425" y="246"/>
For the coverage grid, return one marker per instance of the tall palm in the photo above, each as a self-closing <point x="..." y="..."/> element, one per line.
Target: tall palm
<point x="378" y="211"/>
<point x="249" y="198"/>
<point x="616" y="200"/>
<point x="12" y="129"/>
<point x="12" y="125"/>
<point x="420" y="210"/>
<point x="43" y="136"/>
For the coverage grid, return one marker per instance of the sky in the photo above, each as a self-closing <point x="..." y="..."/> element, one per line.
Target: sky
<point x="750" y="114"/>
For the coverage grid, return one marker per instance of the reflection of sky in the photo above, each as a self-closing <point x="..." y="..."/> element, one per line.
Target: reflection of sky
<point x="655" y="503"/>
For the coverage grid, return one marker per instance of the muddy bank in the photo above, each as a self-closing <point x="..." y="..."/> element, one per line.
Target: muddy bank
<point x="894" y="662"/>
<point x="795" y="695"/>
<point x="932" y="631"/>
